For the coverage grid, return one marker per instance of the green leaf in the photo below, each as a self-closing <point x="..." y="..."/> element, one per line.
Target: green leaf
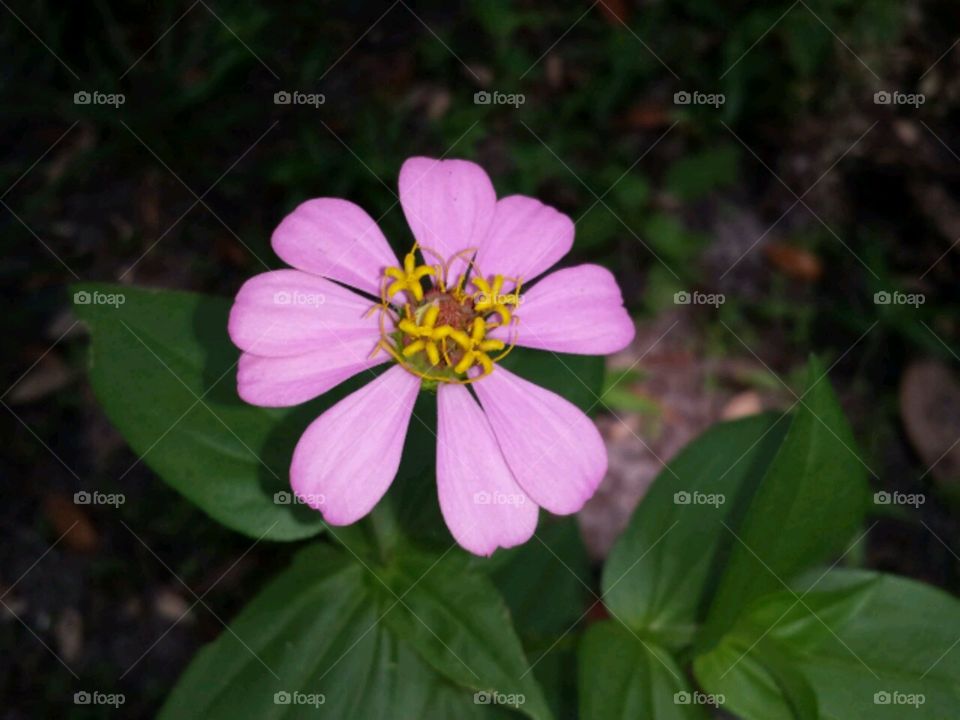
<point x="622" y="676"/>
<point x="867" y="645"/>
<point x="556" y="559"/>
<point x="327" y="626"/>
<point x="799" y="696"/>
<point x="455" y="619"/>
<point x="163" y="368"/>
<point x="806" y="509"/>
<point x="661" y="573"/>
<point x="578" y="378"/>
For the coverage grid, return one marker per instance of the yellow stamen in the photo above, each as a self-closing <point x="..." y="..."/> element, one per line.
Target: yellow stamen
<point x="409" y="277"/>
<point x="490" y="299"/>
<point x="475" y="347"/>
<point x="426" y="335"/>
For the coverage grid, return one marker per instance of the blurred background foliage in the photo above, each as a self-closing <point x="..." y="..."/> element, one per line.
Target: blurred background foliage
<point x="181" y="186"/>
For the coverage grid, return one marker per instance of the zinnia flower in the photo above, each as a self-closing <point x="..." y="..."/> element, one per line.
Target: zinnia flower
<point x="462" y="298"/>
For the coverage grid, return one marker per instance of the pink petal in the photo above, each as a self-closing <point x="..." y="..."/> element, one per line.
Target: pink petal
<point x="348" y="456"/>
<point x="525" y="239"/>
<point x="481" y="502"/>
<point x="555" y="452"/>
<point x="285" y="381"/>
<point x="288" y="312"/>
<point x="574" y="310"/>
<point x="449" y="204"/>
<point x="336" y="239"/>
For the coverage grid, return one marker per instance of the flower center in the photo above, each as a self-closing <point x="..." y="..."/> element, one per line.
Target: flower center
<point x="442" y="334"/>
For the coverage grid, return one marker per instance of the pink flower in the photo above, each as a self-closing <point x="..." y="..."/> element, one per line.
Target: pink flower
<point x="443" y="323"/>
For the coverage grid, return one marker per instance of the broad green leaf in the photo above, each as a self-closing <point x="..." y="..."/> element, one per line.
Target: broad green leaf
<point x="757" y="681"/>
<point x="661" y="573"/>
<point x="164" y="370"/>
<point x="623" y="677"/>
<point x="555" y="665"/>
<point x="805" y="511"/>
<point x="867" y="645"/>
<point x="796" y="691"/>
<point x="554" y="558"/>
<point x="322" y="637"/>
<point x="455" y="619"/>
